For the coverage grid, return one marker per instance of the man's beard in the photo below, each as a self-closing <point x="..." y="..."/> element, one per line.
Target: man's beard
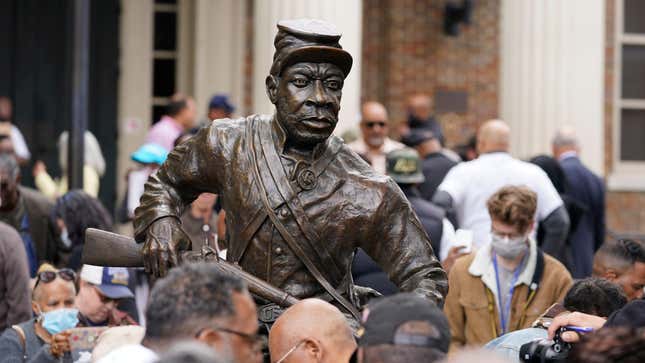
<point x="375" y="141"/>
<point x="300" y="134"/>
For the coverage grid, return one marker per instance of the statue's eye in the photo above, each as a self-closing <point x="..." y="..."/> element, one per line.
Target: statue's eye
<point x="300" y="82"/>
<point x="333" y="84"/>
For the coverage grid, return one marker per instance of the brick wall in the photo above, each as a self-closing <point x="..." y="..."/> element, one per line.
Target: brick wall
<point x="405" y="51"/>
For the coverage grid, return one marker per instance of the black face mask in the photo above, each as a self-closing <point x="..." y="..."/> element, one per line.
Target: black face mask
<point x="4" y="118"/>
<point x="414" y="121"/>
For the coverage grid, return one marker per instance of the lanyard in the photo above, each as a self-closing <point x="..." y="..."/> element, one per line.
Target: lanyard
<point x="505" y="311"/>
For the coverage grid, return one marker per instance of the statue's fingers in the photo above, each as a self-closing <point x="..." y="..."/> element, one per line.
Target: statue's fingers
<point x="174" y="257"/>
<point x="163" y="261"/>
<point x="154" y="260"/>
<point x="146" y="259"/>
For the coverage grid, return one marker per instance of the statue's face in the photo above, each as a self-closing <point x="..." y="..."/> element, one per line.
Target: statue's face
<point x="307" y="98"/>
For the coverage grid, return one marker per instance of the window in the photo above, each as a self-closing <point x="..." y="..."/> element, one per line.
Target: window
<point x="629" y="110"/>
<point x="164" y="63"/>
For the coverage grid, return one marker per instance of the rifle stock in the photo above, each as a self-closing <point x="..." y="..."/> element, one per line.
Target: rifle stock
<point x="104" y="248"/>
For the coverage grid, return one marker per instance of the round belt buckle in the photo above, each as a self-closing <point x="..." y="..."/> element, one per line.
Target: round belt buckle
<point x="307" y="179"/>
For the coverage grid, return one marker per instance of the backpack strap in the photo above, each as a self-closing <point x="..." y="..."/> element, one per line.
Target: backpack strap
<point x="23" y="340"/>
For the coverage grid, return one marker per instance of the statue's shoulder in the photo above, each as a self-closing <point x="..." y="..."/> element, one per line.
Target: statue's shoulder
<point x="230" y="129"/>
<point x="359" y="171"/>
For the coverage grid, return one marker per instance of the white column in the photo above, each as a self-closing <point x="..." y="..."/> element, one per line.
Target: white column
<point x="345" y="14"/>
<point x="552" y="74"/>
<point x="135" y="81"/>
<point x="218" y="53"/>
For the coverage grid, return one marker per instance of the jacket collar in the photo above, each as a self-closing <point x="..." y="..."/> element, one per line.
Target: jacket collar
<point x="482" y="266"/>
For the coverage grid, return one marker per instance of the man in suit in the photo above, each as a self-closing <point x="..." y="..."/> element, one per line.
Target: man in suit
<point x="28" y="212"/>
<point x="588" y="189"/>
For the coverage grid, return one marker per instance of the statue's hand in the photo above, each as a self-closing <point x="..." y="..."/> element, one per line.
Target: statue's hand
<point x="164" y="241"/>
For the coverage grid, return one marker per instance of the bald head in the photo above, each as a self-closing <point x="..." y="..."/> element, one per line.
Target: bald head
<point x="374" y="111"/>
<point x="493" y="135"/>
<point x="317" y="330"/>
<point x="374" y="124"/>
<point x="420" y="106"/>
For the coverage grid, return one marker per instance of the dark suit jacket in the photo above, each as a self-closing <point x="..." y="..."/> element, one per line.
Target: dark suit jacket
<point x="588" y="189"/>
<point x="43" y="230"/>
<point x="435" y="167"/>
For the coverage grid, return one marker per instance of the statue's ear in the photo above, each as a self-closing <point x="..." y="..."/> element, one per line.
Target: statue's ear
<point x="272" y="88"/>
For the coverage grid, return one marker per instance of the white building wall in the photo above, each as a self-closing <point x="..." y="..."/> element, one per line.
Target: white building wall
<point x="552" y="74"/>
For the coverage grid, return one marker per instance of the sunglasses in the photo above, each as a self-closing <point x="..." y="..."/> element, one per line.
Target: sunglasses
<point x="371" y="124"/>
<point x="49" y="276"/>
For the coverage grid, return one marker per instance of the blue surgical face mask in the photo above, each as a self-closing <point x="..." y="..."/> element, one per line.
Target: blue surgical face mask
<point x="64" y="237"/>
<point x="59" y="320"/>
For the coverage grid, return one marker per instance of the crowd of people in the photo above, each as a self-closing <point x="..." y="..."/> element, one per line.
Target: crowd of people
<point x="531" y="274"/>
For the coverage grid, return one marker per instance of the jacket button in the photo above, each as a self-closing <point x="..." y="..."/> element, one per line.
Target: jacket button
<point x="278" y="251"/>
<point x="284" y="212"/>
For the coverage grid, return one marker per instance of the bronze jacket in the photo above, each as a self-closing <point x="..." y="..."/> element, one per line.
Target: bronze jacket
<point x="336" y="197"/>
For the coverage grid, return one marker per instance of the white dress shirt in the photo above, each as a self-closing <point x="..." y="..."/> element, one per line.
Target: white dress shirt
<point x="376" y="158"/>
<point x="470" y="184"/>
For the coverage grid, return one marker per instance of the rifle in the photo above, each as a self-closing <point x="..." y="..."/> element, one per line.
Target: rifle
<point x="104" y="248"/>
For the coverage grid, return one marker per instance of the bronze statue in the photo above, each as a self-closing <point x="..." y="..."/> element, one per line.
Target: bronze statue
<point x="298" y="202"/>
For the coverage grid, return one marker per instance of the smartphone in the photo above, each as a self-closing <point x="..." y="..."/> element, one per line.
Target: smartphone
<point x="82" y="341"/>
<point x="464" y="237"/>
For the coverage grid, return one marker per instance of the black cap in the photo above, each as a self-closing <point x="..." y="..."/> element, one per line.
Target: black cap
<point x="405" y="319"/>
<point x="632" y="315"/>
<point x="417" y="137"/>
<point x="308" y="40"/>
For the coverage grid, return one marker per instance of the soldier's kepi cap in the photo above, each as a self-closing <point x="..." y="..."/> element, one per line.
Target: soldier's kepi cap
<point x="405" y="319"/>
<point x="404" y="166"/>
<point x="308" y="40"/>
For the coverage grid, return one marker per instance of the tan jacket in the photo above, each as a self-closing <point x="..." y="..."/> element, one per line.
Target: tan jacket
<point x="471" y="302"/>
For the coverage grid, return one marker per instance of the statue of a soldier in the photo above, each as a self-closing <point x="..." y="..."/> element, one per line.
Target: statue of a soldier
<point x="298" y="202"/>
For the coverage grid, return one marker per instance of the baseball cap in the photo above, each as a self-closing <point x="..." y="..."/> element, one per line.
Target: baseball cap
<point x="221" y="101"/>
<point x="111" y="281"/>
<point x="150" y="154"/>
<point x="417" y="137"/>
<point x="404" y="166"/>
<point x="405" y="319"/>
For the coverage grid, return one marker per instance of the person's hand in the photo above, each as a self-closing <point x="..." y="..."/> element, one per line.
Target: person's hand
<point x="60" y="344"/>
<point x="576" y="319"/>
<point x="39" y="167"/>
<point x="453" y="254"/>
<point x="164" y="240"/>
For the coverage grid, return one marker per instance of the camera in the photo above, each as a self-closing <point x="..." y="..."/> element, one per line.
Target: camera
<point x="546" y="351"/>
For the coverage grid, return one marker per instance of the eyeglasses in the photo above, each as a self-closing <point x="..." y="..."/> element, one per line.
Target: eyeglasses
<point x="256" y="341"/>
<point x="371" y="124"/>
<point x="49" y="276"/>
<point x="293" y="349"/>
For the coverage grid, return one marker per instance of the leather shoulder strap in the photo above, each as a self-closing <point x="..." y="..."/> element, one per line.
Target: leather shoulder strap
<point x="293" y="244"/>
<point x="274" y="178"/>
<point x="23" y="340"/>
